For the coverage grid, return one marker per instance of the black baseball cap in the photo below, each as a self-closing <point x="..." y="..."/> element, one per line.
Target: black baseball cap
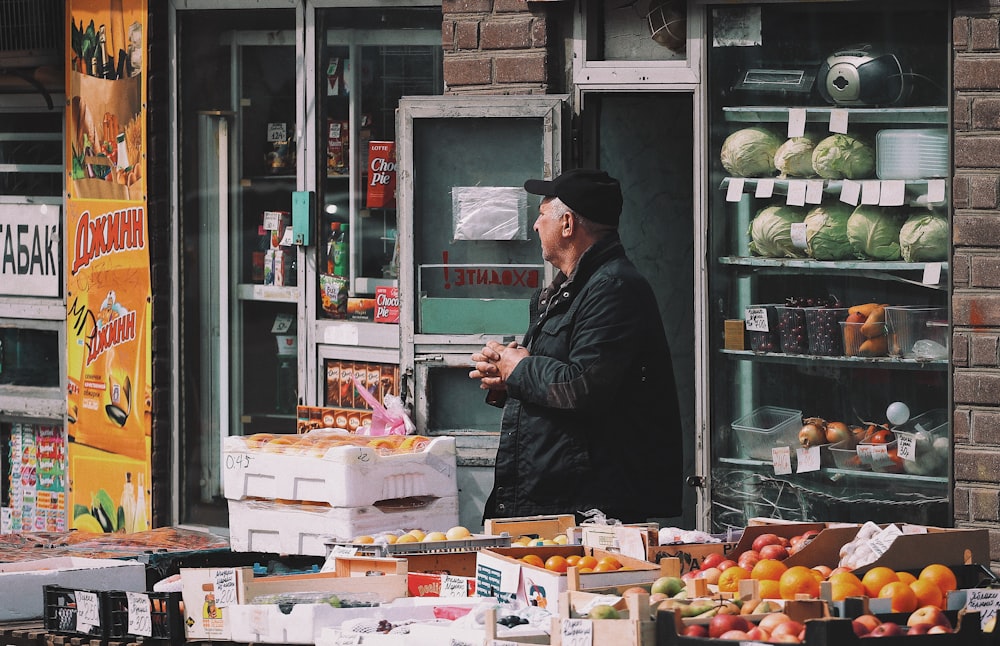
<point x="592" y="193"/>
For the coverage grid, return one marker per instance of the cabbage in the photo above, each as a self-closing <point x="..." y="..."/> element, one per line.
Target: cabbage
<point x="750" y="152"/>
<point x="843" y="157"/>
<point x="826" y="232"/>
<point x="874" y="233"/>
<point x="794" y="157"/>
<point x="771" y="232"/>
<point x="924" y="237"/>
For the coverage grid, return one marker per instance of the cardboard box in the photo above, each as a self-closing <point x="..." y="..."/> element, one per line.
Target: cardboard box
<point x="209" y="595"/>
<point x="689" y="555"/>
<point x="541" y="526"/>
<point x="425" y="584"/>
<point x="638" y="629"/>
<point x="305" y="528"/>
<point x="387" y="304"/>
<point x="631" y="540"/>
<point x="381" y="579"/>
<point x="500" y="573"/>
<point x="21" y="583"/>
<point x="343" y="476"/>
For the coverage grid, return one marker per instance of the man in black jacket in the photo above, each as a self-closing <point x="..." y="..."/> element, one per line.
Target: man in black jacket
<point x="590" y="411"/>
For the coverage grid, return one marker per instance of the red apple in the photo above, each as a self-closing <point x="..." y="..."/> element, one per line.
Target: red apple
<point x="711" y="575"/>
<point x="720" y="624"/>
<point x="939" y="629"/>
<point x="712" y="560"/>
<point x="772" y="620"/>
<point x="765" y="539"/>
<point x="759" y="634"/>
<point x="786" y="639"/>
<point x="776" y="552"/>
<point x="928" y="615"/>
<point x="725" y="565"/>
<point x="734" y="635"/>
<point x="860" y="629"/>
<point x="868" y="621"/>
<point x="887" y="629"/>
<point x="919" y="629"/>
<point x="748" y="559"/>
<point x="839" y="569"/>
<point x="690" y="574"/>
<point x="790" y="627"/>
<point x="696" y="630"/>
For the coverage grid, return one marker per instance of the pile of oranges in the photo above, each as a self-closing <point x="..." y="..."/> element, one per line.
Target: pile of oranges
<point x="584" y="564"/>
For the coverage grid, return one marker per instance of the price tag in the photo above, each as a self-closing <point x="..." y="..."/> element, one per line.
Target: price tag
<point x="577" y="632"/>
<point x="892" y="193"/>
<point x="282" y="323"/>
<point x="814" y="191"/>
<point x="272" y="220"/>
<point x="796" y="122"/>
<point x="932" y="273"/>
<point x="870" y="191"/>
<point x="880" y="455"/>
<point x="238" y="461"/>
<point x="850" y="191"/>
<point x="225" y="588"/>
<point x="935" y="191"/>
<point x="734" y="189"/>
<point x="781" y="458"/>
<point x="277" y="132"/>
<point x="865" y="453"/>
<point x="287" y="238"/>
<point x="765" y="187"/>
<point x="755" y="319"/>
<point x="808" y="459"/>
<point x="798" y="234"/>
<point x="906" y="446"/>
<point x="838" y="121"/>
<point x="88" y="612"/>
<point x="984" y="601"/>
<point x="139" y="619"/>
<point x="796" y="193"/>
<point x="453" y="586"/>
<point x="881" y="542"/>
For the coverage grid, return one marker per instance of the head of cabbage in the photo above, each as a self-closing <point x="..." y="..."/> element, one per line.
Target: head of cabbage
<point x="771" y="232"/>
<point x="925" y="237"/>
<point x="794" y="157"/>
<point x="843" y="157"/>
<point x="750" y="152"/>
<point x="874" y="233"/>
<point x="826" y="232"/>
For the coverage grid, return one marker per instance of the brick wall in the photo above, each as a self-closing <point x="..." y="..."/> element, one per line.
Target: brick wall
<point x="495" y="47"/>
<point x="976" y="266"/>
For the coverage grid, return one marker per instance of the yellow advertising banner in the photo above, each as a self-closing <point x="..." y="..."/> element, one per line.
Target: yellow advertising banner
<point x="108" y="289"/>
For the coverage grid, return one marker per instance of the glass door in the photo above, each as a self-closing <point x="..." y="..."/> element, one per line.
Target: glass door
<point x="829" y="244"/>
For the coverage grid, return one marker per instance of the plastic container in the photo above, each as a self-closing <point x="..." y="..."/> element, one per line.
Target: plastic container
<point x="770" y="340"/>
<point x="825" y="337"/>
<point x="792" y="329"/>
<point x="906" y="325"/>
<point x="845" y="456"/>
<point x="765" y="428"/>
<point x="911" y="153"/>
<point x="855" y="342"/>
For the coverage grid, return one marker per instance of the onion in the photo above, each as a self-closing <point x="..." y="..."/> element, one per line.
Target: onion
<point x="837" y="432"/>
<point x="813" y="432"/>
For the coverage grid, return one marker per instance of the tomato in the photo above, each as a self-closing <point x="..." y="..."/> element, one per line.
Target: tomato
<point x="881" y="436"/>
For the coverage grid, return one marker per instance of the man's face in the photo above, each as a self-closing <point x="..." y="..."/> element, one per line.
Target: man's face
<point x="549" y="227"/>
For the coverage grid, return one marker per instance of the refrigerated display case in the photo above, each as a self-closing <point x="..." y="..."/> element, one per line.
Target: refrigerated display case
<point x="828" y="237"/>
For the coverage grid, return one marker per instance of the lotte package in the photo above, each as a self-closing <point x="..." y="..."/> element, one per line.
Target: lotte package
<point x="381" y="175"/>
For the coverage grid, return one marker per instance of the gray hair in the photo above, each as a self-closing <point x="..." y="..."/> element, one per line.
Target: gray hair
<point x="593" y="228"/>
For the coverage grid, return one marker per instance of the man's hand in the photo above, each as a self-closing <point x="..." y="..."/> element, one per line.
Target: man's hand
<point x="494" y="363"/>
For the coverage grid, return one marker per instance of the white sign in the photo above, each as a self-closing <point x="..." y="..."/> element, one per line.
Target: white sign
<point x="225" y="588"/>
<point x="577" y="632"/>
<point x="807" y="459"/>
<point x="277" y="132"/>
<point x="139" y="620"/>
<point x="88" y="612"/>
<point x="756" y="319"/>
<point x="781" y="458"/>
<point x="983" y="601"/>
<point x="453" y="586"/>
<point x="30" y="250"/>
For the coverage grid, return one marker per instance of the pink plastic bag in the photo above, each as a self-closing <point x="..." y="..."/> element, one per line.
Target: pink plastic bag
<point x="390" y="419"/>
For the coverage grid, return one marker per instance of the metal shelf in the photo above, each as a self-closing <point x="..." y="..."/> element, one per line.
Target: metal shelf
<point x="837" y="474"/>
<point x="882" y="363"/>
<point x="756" y="114"/>
<point x="826" y="265"/>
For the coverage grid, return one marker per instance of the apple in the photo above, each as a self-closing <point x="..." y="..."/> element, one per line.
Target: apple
<point x="696" y="630"/>
<point x="657" y="597"/>
<point x="711" y="575"/>
<point x="772" y="619"/>
<point x="759" y="634"/>
<point x="887" y="629"/>
<point x="839" y="569"/>
<point x="690" y="574"/>
<point x="776" y="552"/>
<point x="928" y="615"/>
<point x="790" y="627"/>
<point x="939" y="629"/>
<point x="712" y="560"/>
<point x="765" y="539"/>
<point x="725" y="565"/>
<point x="786" y="639"/>
<point x="720" y="624"/>
<point x="919" y="629"/>
<point x="868" y="621"/>
<point x="748" y="559"/>
<point x="734" y="635"/>
<point x="859" y="628"/>
<point x="668" y="585"/>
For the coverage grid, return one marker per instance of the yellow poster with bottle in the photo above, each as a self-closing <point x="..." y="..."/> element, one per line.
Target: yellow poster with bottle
<point x="108" y="288"/>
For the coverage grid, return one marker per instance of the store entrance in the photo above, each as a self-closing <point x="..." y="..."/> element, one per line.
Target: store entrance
<point x="647" y="141"/>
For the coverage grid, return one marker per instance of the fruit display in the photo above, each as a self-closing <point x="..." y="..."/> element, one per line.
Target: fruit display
<point x="318" y="442"/>
<point x="865" y="331"/>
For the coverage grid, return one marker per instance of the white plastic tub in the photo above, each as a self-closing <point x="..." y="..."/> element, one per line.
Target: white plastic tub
<point x="911" y="153"/>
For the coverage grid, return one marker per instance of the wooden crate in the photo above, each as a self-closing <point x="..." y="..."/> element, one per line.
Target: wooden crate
<point x="534" y="526"/>
<point x="638" y="629"/>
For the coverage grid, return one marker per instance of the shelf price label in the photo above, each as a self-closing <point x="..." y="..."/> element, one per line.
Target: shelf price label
<point x="765" y="188"/>
<point x="734" y="189"/>
<point x="238" y="461"/>
<point x="88" y="611"/>
<point x="907" y="446"/>
<point x="756" y="319"/>
<point x="985" y="602"/>
<point x="781" y="458"/>
<point x="139" y="618"/>
<point x="807" y="459"/>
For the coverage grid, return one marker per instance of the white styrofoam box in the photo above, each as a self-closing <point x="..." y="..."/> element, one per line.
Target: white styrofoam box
<point x="912" y="153"/>
<point x="305" y="623"/>
<point x="267" y="526"/>
<point x="344" y="476"/>
<point x="21" y="594"/>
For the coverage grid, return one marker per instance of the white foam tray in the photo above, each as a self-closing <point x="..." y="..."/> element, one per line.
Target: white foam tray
<point x="345" y="476"/>
<point x="268" y="526"/>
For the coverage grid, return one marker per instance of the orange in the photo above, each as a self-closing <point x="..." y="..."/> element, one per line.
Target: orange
<point x="928" y="594"/>
<point x="904" y="599"/>
<point x="610" y="562"/>
<point x="556" y="563"/>
<point x="586" y="561"/>
<point x="768" y="569"/>
<point x="533" y="559"/>
<point x="906" y="577"/>
<point x="573" y="560"/>
<point x="876" y="578"/>
<point x="845" y="584"/>
<point x="798" y="580"/>
<point x="942" y="576"/>
<point x="729" y="580"/>
<point x="768" y="589"/>
<point x="585" y="570"/>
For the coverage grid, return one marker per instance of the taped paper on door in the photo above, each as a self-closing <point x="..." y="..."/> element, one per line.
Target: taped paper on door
<point x="489" y="213"/>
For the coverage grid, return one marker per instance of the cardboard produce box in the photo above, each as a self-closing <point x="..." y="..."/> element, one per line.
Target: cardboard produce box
<point x="541" y="526"/>
<point x="689" y="555"/>
<point x="500" y="573"/>
<point x="209" y="595"/>
<point x="22" y="583"/>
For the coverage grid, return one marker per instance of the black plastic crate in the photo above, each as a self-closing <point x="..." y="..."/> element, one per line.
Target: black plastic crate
<point x="165" y="616"/>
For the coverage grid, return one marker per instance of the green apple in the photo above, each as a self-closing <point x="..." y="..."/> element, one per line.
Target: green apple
<point x="603" y="611"/>
<point x="668" y="585"/>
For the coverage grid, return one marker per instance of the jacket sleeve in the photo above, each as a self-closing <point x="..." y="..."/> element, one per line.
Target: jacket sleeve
<point x="603" y="331"/>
